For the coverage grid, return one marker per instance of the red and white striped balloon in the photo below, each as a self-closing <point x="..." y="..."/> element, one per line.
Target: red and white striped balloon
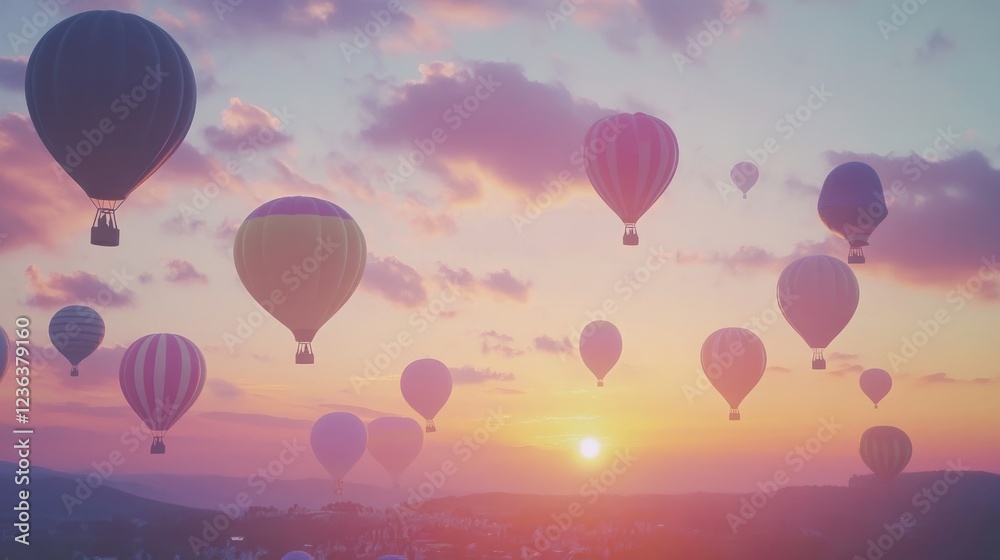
<point x="630" y="160"/>
<point x="161" y="376"/>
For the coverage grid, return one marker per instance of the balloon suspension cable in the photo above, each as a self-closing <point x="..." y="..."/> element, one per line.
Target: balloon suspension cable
<point x="631" y="236"/>
<point x="734" y="414"/>
<point x="430" y="427"/>
<point x="158" y="448"/>
<point x="856" y="255"/>
<point x="819" y="362"/>
<point x="75" y="372"/>
<point x="600" y="383"/>
<point x="305" y="355"/>
<point x="340" y="486"/>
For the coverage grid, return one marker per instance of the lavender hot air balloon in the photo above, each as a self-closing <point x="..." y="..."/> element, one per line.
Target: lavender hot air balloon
<point x="297" y="555"/>
<point x="112" y="97"/>
<point x="76" y="331"/>
<point x="744" y="176"/>
<point x="631" y="161"/>
<point x="4" y="353"/>
<point x="395" y="442"/>
<point x="426" y="385"/>
<point x="600" y="348"/>
<point x="338" y="441"/>
<point x="886" y="450"/>
<point x="818" y="296"/>
<point x="876" y="383"/>
<point x="852" y="204"/>
<point x="161" y="376"/>
<point x="301" y="258"/>
<point x="734" y="360"/>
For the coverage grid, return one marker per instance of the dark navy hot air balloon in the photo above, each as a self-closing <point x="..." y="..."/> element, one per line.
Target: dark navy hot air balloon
<point x="76" y="331"/>
<point x="852" y="204"/>
<point x="111" y="96"/>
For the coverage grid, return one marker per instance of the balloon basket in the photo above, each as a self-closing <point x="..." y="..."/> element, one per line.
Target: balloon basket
<point x="744" y="197"/>
<point x="856" y="256"/>
<point x="600" y="383"/>
<point x="819" y="363"/>
<point x="734" y="414"/>
<point x="340" y="487"/>
<point x="158" y="448"/>
<point x="305" y="354"/>
<point x="105" y="236"/>
<point x="75" y="372"/>
<point x="631" y="236"/>
<point x="431" y="428"/>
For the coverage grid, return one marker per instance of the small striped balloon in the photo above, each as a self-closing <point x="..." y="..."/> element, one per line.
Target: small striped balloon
<point x="630" y="160"/>
<point x="886" y="450"/>
<point x="76" y="331"/>
<point x="161" y="376"/>
<point x="297" y="555"/>
<point x="4" y="352"/>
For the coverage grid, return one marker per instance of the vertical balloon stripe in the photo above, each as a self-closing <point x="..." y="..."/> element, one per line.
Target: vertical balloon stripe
<point x="886" y="450"/>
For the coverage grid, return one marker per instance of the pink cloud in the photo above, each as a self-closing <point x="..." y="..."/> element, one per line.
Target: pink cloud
<point x="492" y="342"/>
<point x="58" y="290"/>
<point x="942" y="377"/>
<point x="677" y="21"/>
<point x="546" y="343"/>
<point x="183" y="272"/>
<point x="12" y="73"/>
<point x="395" y="281"/>
<point x="521" y="132"/>
<point x="937" y="44"/>
<point x="469" y="375"/>
<point x="246" y="128"/>
<point x="501" y="284"/>
<point x="224" y="389"/>
<point x="98" y="372"/>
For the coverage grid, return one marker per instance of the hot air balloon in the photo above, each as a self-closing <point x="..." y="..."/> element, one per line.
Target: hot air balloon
<point x="161" y="376"/>
<point x="876" y="383"/>
<point x="886" y="450"/>
<point x="395" y="443"/>
<point x="600" y="348"/>
<point x="297" y="555"/>
<point x="4" y="353"/>
<point x="76" y="331"/>
<point x="744" y="176"/>
<point x="631" y="160"/>
<point x="734" y="360"/>
<point x="112" y="97"/>
<point x="852" y="204"/>
<point x="392" y="557"/>
<point x="338" y="441"/>
<point x="818" y="296"/>
<point x="301" y="258"/>
<point x="426" y="386"/>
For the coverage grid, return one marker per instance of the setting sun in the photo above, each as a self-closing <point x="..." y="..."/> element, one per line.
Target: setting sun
<point x="590" y="447"/>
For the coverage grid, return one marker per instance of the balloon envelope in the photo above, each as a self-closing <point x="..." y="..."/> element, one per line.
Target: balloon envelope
<point x="4" y="353"/>
<point x="744" y="176"/>
<point x="734" y="360"/>
<point x="886" y="450"/>
<point x="76" y="331"/>
<point x="338" y="441"/>
<point x="297" y="555"/>
<point x="301" y="258"/>
<point x="161" y="376"/>
<point x="630" y="161"/>
<point x="818" y="296"/>
<point x="112" y="97"/>
<point x="426" y="385"/>
<point x="876" y="383"/>
<point x="600" y="348"/>
<point x="852" y="204"/>
<point x="395" y="442"/>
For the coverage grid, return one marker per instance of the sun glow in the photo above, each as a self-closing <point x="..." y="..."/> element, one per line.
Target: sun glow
<point x="590" y="447"/>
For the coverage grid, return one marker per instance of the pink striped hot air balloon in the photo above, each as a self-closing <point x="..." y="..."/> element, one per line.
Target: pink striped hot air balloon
<point x="161" y="377"/>
<point x="886" y="450"/>
<point x="630" y="161"/>
<point x="301" y="258"/>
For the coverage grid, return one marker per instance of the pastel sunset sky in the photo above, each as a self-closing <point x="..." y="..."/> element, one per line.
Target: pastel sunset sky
<point x="820" y="82"/>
